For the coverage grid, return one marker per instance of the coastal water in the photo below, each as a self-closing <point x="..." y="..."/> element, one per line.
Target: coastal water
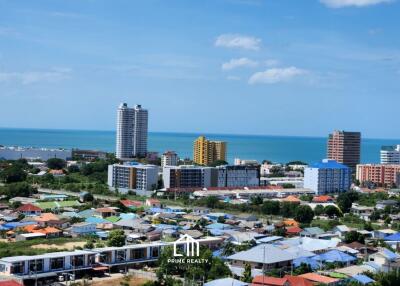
<point x="274" y="148"/>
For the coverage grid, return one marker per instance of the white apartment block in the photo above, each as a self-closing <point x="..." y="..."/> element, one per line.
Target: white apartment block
<point x="327" y="176"/>
<point x="169" y="158"/>
<point x="133" y="176"/>
<point x="390" y="155"/>
<point x="132" y="124"/>
<point x="15" y="153"/>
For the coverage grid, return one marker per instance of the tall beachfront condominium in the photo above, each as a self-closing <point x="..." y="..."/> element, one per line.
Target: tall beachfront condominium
<point x="390" y="155"/>
<point x="327" y="176"/>
<point x="344" y="147"/>
<point x="131" y="131"/>
<point x="206" y="151"/>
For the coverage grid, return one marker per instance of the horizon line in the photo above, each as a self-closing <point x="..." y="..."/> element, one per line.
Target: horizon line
<point x="188" y="133"/>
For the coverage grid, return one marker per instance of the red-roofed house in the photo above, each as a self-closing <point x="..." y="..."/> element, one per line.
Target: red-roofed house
<point x="269" y="281"/>
<point x="29" y="210"/>
<point x="291" y="199"/>
<point x="287" y="280"/>
<point x="154" y="203"/>
<point x="293" y="230"/>
<point x="131" y="204"/>
<point x="322" y="199"/>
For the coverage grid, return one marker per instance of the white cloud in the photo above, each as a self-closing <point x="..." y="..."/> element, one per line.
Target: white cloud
<point x="354" y="3"/>
<point x="276" y="75"/>
<point x="29" y="77"/>
<point x="238" y="41"/>
<point x="271" y="63"/>
<point x="237" y="63"/>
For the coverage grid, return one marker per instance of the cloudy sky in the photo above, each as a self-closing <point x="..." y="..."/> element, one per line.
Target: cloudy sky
<point x="286" y="67"/>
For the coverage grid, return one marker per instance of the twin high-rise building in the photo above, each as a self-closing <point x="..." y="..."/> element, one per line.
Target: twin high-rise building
<point x="131" y="132"/>
<point x="206" y="151"/>
<point x="390" y="155"/>
<point x="344" y="147"/>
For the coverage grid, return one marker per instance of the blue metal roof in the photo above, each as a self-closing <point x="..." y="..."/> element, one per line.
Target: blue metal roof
<point x="393" y="237"/>
<point x="363" y="279"/>
<point x="328" y="164"/>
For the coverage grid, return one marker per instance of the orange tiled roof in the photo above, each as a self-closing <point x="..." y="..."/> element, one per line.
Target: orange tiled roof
<point x="48" y="230"/>
<point x="298" y="281"/>
<point x="291" y="199"/>
<point x="322" y="199"/>
<point x="293" y="229"/>
<point x="268" y="280"/>
<point x="314" y="277"/>
<point x="46" y="217"/>
<point x="290" y="222"/>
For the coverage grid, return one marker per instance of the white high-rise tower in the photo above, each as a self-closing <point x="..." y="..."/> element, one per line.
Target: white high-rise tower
<point x="131" y="131"/>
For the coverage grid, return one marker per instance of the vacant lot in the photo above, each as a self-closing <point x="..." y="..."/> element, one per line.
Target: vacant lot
<point x="117" y="281"/>
<point x="64" y="246"/>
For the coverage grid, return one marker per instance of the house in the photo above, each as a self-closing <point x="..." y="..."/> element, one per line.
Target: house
<point x="341" y="230"/>
<point x="291" y="199"/>
<point x="200" y="210"/>
<point x="320" y="279"/>
<point x="287" y="280"/>
<point x="313" y="232"/>
<point x="131" y="204"/>
<point x="225" y="282"/>
<point x="322" y="199"/>
<point x="83" y="228"/>
<point x="381" y="205"/>
<point x="383" y="233"/>
<point x="386" y="260"/>
<point x="262" y="256"/>
<point x="361" y="211"/>
<point x="293" y="231"/>
<point x="153" y="203"/>
<point x="29" y="210"/>
<point x="105" y="212"/>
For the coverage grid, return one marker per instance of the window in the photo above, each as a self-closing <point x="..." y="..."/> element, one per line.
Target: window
<point x="155" y="252"/>
<point x="120" y="255"/>
<point x="18" y="267"/>
<point x="36" y="265"/>
<point x="78" y="261"/>
<point x="2" y="268"/>
<point x="57" y="263"/>
<point x="139" y="253"/>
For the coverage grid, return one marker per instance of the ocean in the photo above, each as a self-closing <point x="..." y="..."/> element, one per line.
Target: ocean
<point x="280" y="149"/>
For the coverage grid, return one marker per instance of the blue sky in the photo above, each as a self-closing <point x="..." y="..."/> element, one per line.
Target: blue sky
<point x="287" y="67"/>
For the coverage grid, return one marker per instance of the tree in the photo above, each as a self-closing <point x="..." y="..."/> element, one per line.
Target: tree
<point x="211" y="202"/>
<point x="304" y="214"/>
<point x="353" y="235"/>
<point x="116" y="238"/>
<point x="257" y="200"/>
<point x="73" y="169"/>
<point x="218" y="163"/>
<point x="221" y="219"/>
<point x="56" y="163"/>
<point x="332" y="211"/>
<point x="13" y="174"/>
<point x="218" y="269"/>
<point x="88" y="197"/>
<point x="247" y="277"/>
<point x="21" y="189"/>
<point x="344" y="203"/>
<point x="288" y="209"/>
<point x="319" y="210"/>
<point x="228" y="249"/>
<point x="270" y="207"/>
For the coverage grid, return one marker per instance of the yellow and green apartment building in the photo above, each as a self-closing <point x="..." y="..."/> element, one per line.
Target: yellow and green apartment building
<point x="206" y="151"/>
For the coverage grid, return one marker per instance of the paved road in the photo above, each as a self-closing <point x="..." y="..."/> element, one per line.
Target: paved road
<point x="73" y="194"/>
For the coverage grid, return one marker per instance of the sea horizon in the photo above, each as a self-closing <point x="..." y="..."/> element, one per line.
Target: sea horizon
<point x="276" y="148"/>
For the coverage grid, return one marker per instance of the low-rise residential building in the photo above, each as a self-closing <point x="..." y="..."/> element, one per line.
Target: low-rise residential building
<point x="29" y="210"/>
<point x="363" y="212"/>
<point x="83" y="228"/>
<point x="327" y="176"/>
<point x="133" y="176"/>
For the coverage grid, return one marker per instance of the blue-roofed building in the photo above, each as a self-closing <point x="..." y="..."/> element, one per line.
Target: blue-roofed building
<point x="13" y="225"/>
<point x="363" y="279"/>
<point x="327" y="176"/>
<point x="96" y="220"/>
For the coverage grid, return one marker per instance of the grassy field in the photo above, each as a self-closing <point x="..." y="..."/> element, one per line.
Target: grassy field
<point x="57" y="204"/>
<point x="36" y="246"/>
